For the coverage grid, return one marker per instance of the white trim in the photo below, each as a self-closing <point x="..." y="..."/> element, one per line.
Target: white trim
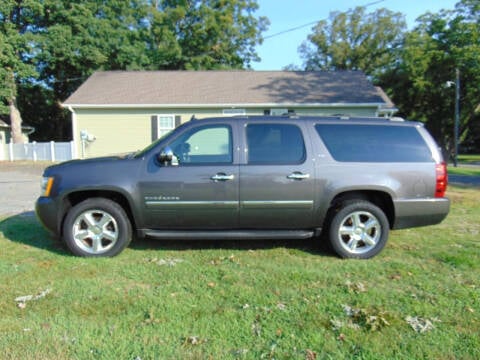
<point x="202" y="106"/>
<point x="75" y="133"/>
<point x="2" y="150"/>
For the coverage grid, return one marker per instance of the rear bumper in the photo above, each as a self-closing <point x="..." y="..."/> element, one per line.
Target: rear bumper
<point x="420" y="212"/>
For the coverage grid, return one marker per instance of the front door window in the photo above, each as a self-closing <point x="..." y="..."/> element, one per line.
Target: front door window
<point x="206" y="145"/>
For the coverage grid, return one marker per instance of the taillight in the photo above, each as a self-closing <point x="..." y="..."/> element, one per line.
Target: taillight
<point x="442" y="180"/>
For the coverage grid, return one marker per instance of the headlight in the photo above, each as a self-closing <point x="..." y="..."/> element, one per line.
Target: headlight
<point x="47" y="183"/>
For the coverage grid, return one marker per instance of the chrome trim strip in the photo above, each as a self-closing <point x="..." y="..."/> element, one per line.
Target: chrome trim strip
<point x="277" y="203"/>
<point x="192" y="203"/>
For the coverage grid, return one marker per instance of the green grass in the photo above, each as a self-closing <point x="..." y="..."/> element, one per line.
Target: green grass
<point x="233" y="300"/>
<point x="461" y="170"/>
<point x="464" y="166"/>
<point x="469" y="158"/>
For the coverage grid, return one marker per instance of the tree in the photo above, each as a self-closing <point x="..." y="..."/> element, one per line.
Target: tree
<point x="355" y="40"/>
<point x="56" y="44"/>
<point x="440" y="44"/>
<point x="17" y="39"/>
<point x="204" y="34"/>
<point x="79" y="38"/>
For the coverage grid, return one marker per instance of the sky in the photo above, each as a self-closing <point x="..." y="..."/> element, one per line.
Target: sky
<point x="281" y="50"/>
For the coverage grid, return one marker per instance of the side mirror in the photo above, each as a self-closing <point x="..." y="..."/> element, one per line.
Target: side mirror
<point x="167" y="157"/>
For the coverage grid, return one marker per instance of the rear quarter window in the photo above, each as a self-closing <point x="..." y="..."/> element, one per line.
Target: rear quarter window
<point x="374" y="143"/>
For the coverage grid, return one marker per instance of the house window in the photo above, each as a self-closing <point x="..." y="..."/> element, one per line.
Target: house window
<point x="234" y="112"/>
<point x="162" y="124"/>
<point x="166" y="123"/>
<point x="280" y="111"/>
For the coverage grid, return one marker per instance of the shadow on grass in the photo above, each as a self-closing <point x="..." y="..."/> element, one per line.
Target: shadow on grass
<point x="313" y="246"/>
<point x="25" y="229"/>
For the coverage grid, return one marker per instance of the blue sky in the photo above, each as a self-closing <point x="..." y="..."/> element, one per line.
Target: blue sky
<point x="279" y="51"/>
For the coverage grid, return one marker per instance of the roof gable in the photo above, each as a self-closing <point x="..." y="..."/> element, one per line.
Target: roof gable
<point x="197" y="88"/>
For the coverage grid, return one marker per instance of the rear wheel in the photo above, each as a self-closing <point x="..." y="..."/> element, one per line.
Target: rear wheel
<point x="359" y="229"/>
<point x="97" y="227"/>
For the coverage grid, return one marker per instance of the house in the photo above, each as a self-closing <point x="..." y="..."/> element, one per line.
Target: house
<point x="5" y="137"/>
<point x="121" y="111"/>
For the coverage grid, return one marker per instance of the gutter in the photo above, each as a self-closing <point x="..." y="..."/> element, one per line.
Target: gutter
<point x="226" y="105"/>
<point x="75" y="136"/>
<point x="29" y="130"/>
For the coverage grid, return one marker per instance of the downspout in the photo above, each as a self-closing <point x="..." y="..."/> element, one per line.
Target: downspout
<point x="74" y="132"/>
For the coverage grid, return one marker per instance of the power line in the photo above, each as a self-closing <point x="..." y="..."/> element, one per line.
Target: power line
<point x="312" y="23"/>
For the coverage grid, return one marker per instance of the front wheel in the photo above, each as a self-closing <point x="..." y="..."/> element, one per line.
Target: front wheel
<point x="359" y="230"/>
<point x="97" y="227"/>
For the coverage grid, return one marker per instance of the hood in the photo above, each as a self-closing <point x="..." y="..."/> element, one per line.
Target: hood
<point x="92" y="163"/>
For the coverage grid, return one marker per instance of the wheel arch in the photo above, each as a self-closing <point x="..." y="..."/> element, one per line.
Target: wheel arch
<point x="76" y="197"/>
<point x="381" y="199"/>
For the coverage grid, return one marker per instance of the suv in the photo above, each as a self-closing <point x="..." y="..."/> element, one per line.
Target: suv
<point x="291" y="177"/>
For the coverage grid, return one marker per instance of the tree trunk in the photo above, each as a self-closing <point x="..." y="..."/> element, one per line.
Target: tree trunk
<point x="15" y="122"/>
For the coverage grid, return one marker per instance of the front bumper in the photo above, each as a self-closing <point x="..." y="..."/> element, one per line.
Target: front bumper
<point x="47" y="212"/>
<point x="420" y="212"/>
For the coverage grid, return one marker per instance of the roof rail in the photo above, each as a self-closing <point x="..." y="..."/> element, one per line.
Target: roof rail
<point x="396" y="118"/>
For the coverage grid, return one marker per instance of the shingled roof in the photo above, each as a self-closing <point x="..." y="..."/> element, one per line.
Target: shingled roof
<point x="204" y="88"/>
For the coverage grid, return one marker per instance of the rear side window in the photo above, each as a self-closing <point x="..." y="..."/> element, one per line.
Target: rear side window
<point x="374" y="143"/>
<point x="275" y="144"/>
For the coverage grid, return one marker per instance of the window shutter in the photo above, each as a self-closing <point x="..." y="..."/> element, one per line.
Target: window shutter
<point x="154" y="126"/>
<point x="178" y="120"/>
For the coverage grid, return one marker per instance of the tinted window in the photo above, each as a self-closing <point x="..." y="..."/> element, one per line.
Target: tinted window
<point x="275" y="144"/>
<point x="207" y="144"/>
<point x="374" y="143"/>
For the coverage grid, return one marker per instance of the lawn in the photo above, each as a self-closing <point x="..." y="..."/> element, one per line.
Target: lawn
<point x="465" y="167"/>
<point x="419" y="299"/>
<point x="469" y="159"/>
<point x="463" y="170"/>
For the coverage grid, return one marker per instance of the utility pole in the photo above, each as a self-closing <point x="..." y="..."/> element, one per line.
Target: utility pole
<point x="457" y="115"/>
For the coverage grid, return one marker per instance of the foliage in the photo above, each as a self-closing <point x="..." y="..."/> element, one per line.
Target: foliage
<point x="57" y="44"/>
<point x="355" y="40"/>
<point x="413" y="67"/>
<point x="419" y="299"/>
<point x="204" y="34"/>
<point x="418" y="82"/>
<point x="16" y="37"/>
<point x="17" y="43"/>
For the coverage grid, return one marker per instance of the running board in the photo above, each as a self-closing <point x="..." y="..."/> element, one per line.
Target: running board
<point x="227" y="234"/>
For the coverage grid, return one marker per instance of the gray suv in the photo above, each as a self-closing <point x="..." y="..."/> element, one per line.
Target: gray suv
<point x="350" y="180"/>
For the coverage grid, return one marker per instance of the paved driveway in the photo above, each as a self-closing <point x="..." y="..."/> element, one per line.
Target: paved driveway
<point x="19" y="186"/>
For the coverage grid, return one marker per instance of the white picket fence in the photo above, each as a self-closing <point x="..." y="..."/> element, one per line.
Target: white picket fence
<point x="38" y="151"/>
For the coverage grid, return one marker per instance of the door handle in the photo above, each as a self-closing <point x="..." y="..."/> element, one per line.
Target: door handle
<point x="222" y="177"/>
<point x="297" y="175"/>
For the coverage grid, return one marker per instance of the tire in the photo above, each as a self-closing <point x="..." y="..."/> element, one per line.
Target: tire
<point x="358" y="230"/>
<point x="97" y="227"/>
